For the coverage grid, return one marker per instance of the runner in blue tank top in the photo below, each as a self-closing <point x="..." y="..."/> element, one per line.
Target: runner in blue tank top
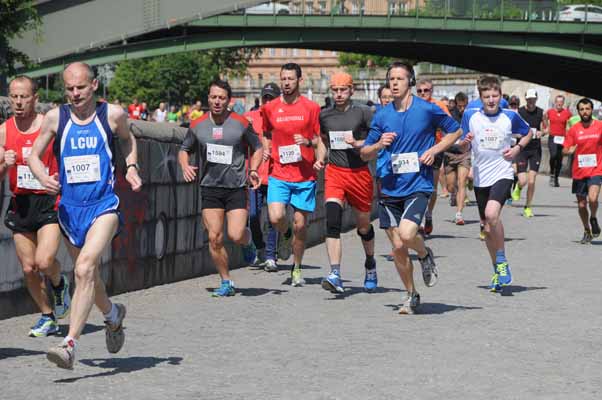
<point x="88" y="211"/>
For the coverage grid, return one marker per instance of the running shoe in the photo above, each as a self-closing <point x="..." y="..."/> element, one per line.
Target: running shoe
<point x="296" y="278"/>
<point x="587" y="237"/>
<point x="224" y="290"/>
<point x="556" y="183"/>
<point x="552" y="180"/>
<point x="444" y="194"/>
<point x="333" y="283"/>
<point x="430" y="272"/>
<point x="504" y="273"/>
<point x="114" y="332"/>
<point x="249" y="253"/>
<point x="270" y="265"/>
<point x="62" y="299"/>
<point x="390" y="257"/>
<point x="62" y="355"/>
<point x="482" y="233"/>
<point x="527" y="212"/>
<point x="44" y="327"/>
<point x="516" y="193"/>
<point x="595" y="227"/>
<point x="459" y="220"/>
<point x="259" y="258"/>
<point x="428" y="226"/>
<point x="509" y="201"/>
<point x="409" y="303"/>
<point x="370" y="280"/>
<point x="495" y="286"/>
<point x="285" y="245"/>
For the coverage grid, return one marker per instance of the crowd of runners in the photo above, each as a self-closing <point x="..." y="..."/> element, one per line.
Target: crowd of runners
<point x="61" y="170"/>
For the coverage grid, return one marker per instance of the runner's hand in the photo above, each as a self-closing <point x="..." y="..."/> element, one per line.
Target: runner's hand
<point x="511" y="153"/>
<point x="134" y="179"/>
<point x="10" y="158"/>
<point x="300" y="139"/>
<point x="51" y="184"/>
<point x="254" y="180"/>
<point x="465" y="143"/>
<point x="189" y="173"/>
<point x="266" y="154"/>
<point x="387" y="138"/>
<point x="319" y="165"/>
<point x="427" y="158"/>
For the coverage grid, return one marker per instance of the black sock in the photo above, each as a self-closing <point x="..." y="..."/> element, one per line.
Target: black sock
<point x="60" y="286"/>
<point x="369" y="263"/>
<point x="51" y="316"/>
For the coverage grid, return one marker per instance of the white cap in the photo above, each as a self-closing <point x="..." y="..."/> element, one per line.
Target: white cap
<point x="531" y="94"/>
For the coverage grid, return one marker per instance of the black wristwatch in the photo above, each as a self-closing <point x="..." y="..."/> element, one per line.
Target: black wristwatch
<point x="309" y="143"/>
<point x="132" y="165"/>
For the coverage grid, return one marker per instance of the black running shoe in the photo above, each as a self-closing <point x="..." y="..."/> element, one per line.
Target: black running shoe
<point x="595" y="227"/>
<point x="587" y="238"/>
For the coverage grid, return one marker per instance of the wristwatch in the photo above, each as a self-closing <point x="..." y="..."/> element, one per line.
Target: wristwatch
<point x="309" y="143"/>
<point x="132" y="165"/>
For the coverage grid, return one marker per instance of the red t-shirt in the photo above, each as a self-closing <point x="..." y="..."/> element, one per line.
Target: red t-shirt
<point x="558" y="121"/>
<point x="134" y="111"/>
<point x="589" y="142"/>
<point x="20" y="178"/>
<point x="257" y="123"/>
<point x="283" y="121"/>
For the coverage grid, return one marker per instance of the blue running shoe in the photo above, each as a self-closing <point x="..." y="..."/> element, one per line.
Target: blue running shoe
<point x="226" y="289"/>
<point x="44" y="327"/>
<point x="370" y="280"/>
<point x="62" y="299"/>
<point x="495" y="286"/>
<point x="505" y="276"/>
<point x="249" y="253"/>
<point x="333" y="283"/>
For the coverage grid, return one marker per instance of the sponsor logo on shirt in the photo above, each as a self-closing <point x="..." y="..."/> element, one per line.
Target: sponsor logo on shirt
<point x="280" y="110"/>
<point x="84" y="143"/>
<point x="218" y="133"/>
<point x="83" y="131"/>
<point x="289" y="118"/>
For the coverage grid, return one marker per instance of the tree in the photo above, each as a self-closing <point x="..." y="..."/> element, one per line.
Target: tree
<point x="177" y="78"/>
<point x="16" y="17"/>
<point x="359" y="61"/>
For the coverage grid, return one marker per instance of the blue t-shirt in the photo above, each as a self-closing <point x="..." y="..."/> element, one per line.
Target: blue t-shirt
<point x="415" y="129"/>
<point x="477" y="103"/>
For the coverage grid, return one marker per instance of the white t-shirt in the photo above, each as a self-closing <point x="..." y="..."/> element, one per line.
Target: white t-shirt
<point x="492" y="136"/>
<point x="160" y="115"/>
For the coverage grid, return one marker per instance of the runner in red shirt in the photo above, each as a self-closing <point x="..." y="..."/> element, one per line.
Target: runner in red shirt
<point x="556" y="118"/>
<point x="584" y="142"/>
<point x="32" y="213"/>
<point x="266" y="252"/>
<point x="291" y="123"/>
<point x="135" y="109"/>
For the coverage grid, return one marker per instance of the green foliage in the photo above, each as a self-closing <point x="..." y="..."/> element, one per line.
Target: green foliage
<point x="177" y="78"/>
<point x="16" y="17"/>
<point x="353" y="61"/>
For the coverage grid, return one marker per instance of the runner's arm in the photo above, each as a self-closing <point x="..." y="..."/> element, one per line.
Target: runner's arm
<point x="3" y="167"/>
<point x="545" y="124"/>
<point x="47" y="132"/>
<point x="127" y="142"/>
<point x="189" y="145"/>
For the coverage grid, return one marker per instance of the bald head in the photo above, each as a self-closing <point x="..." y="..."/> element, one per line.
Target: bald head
<point x="79" y="69"/>
<point x="80" y="86"/>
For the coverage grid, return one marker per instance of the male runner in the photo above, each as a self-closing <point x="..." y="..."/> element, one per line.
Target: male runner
<point x="31" y="215"/>
<point x="490" y="136"/>
<point x="424" y="89"/>
<point x="266" y="252"/>
<point x="584" y="142"/>
<point x="291" y="124"/>
<point x="404" y="134"/>
<point x="457" y="164"/>
<point x="530" y="158"/>
<point x="347" y="179"/>
<point x="556" y="119"/>
<point x="221" y="138"/>
<point x="88" y="210"/>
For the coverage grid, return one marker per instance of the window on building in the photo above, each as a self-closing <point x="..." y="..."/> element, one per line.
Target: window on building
<point x="295" y="52"/>
<point x="309" y="52"/>
<point x="272" y="52"/>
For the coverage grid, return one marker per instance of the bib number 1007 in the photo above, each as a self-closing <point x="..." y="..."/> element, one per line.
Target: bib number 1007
<point x="82" y="169"/>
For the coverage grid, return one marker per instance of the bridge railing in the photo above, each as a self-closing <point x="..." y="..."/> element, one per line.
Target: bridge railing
<point x="525" y="10"/>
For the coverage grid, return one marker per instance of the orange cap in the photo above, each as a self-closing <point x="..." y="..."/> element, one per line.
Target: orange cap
<point x="341" y="79"/>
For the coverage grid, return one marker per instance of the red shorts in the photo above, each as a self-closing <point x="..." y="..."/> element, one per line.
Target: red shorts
<point x="352" y="185"/>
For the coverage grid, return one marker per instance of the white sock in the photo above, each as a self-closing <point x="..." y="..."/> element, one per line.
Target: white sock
<point x="69" y="341"/>
<point x="111" y="316"/>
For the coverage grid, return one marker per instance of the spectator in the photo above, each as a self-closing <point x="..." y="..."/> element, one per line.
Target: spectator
<point x="134" y="109"/>
<point x="197" y="111"/>
<point x="144" y="112"/>
<point x="173" y="115"/>
<point x="160" y="114"/>
<point x="256" y="106"/>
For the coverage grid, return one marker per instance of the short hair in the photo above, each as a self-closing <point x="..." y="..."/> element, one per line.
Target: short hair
<point x="461" y="96"/>
<point x="380" y="90"/>
<point x="489" y="82"/>
<point x="25" y="78"/>
<point x="585" y="100"/>
<point x="222" y="85"/>
<point x="401" y="64"/>
<point x="425" y="81"/>
<point x="561" y="96"/>
<point x="292" y="67"/>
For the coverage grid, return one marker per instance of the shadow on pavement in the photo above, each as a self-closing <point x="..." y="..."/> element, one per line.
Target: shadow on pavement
<point x="251" y="292"/>
<point x="436" y="308"/>
<point x="89" y="328"/>
<point x="438" y="236"/>
<point x="12" y="352"/>
<point x="353" y="290"/>
<point x="121" y="366"/>
<point x="466" y="221"/>
<point x="510" y="290"/>
<point x="508" y="239"/>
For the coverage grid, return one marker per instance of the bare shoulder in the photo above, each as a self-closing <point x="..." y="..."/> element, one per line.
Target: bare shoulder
<point x="2" y="133"/>
<point x="115" y="112"/>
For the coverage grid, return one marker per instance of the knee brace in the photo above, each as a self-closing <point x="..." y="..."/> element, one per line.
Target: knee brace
<point x="368" y="236"/>
<point x="334" y="218"/>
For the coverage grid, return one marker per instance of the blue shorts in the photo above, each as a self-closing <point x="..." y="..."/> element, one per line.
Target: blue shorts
<point x="76" y="220"/>
<point x="301" y="195"/>
<point x="391" y="210"/>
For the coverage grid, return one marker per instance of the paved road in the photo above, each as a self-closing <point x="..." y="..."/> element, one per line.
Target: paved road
<point x="271" y="341"/>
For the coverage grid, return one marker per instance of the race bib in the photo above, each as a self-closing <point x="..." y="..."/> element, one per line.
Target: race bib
<point x="492" y="139"/>
<point x="27" y="180"/>
<point x="405" y="163"/>
<point x="289" y="154"/>
<point x="82" y="169"/>
<point x="219" y="154"/>
<point x="559" y="140"/>
<point x="587" y="160"/>
<point x="535" y="133"/>
<point x="337" y="140"/>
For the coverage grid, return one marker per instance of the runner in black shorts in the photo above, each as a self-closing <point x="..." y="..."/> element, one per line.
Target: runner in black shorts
<point x="221" y="137"/>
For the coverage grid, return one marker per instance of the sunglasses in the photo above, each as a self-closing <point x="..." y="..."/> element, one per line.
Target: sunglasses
<point x="420" y="91"/>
